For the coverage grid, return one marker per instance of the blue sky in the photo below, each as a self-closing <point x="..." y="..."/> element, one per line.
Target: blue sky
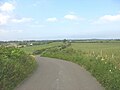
<point x="59" y="19"/>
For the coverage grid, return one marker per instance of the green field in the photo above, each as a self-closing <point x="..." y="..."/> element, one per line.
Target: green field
<point x="108" y="51"/>
<point x="101" y="59"/>
<point x="31" y="49"/>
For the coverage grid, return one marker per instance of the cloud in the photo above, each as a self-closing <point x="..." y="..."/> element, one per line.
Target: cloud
<point x="107" y="19"/>
<point x="71" y="17"/>
<point x="22" y="20"/>
<point x="7" y="7"/>
<point x="5" y="32"/>
<point x="4" y="18"/>
<point x="111" y="18"/>
<point x="5" y="14"/>
<point x="54" y="19"/>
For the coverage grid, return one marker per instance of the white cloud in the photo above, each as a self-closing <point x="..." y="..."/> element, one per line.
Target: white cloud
<point x="54" y="19"/>
<point x="107" y="19"/>
<point x="4" y="18"/>
<point x="111" y="18"/>
<point x="6" y="15"/>
<point x="22" y="20"/>
<point x="71" y="17"/>
<point x="7" y="7"/>
<point x="2" y="31"/>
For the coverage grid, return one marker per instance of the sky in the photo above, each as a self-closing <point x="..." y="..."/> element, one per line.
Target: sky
<point x="59" y="19"/>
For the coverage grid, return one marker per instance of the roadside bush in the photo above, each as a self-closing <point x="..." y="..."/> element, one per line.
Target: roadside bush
<point x="36" y="52"/>
<point x="52" y="49"/>
<point x="15" y="65"/>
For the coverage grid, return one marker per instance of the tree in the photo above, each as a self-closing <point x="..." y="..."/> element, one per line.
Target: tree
<point x="65" y="41"/>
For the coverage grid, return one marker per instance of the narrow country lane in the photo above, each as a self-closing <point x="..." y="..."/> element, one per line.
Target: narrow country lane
<point x="54" y="74"/>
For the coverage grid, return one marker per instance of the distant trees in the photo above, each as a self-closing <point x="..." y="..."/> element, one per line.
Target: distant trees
<point x="68" y="42"/>
<point x="65" y="41"/>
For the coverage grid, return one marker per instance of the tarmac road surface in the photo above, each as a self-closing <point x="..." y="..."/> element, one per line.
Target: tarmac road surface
<point x="55" y="74"/>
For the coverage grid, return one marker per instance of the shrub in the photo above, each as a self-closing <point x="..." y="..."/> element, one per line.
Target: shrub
<point x="15" y="65"/>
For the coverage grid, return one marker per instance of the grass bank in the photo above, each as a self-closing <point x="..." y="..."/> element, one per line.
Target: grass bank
<point x="15" y="66"/>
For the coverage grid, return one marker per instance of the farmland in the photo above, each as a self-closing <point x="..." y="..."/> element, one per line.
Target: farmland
<point x="31" y="49"/>
<point x="101" y="59"/>
<point x="108" y="51"/>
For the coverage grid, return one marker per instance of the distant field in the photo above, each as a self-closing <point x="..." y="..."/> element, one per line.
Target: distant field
<point x="31" y="49"/>
<point x="96" y="46"/>
<point x="108" y="51"/>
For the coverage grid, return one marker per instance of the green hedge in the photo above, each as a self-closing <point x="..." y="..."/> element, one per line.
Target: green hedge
<point x="58" y="47"/>
<point x="15" y="65"/>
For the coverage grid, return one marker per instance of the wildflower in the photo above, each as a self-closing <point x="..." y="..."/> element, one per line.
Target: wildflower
<point x="98" y="56"/>
<point x="106" y="56"/>
<point x="110" y="70"/>
<point x="105" y="62"/>
<point x="102" y="59"/>
<point x="112" y="55"/>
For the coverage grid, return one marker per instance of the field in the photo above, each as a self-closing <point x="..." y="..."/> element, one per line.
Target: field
<point x="31" y="49"/>
<point x="108" y="51"/>
<point x="101" y="59"/>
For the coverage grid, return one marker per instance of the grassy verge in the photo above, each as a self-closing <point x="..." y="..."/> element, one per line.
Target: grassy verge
<point x="105" y="71"/>
<point x="15" y="66"/>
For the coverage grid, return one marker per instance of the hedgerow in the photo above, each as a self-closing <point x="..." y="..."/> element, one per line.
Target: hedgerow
<point x="15" y="66"/>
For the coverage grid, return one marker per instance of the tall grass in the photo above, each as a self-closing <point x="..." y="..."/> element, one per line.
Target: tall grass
<point x="15" y="65"/>
<point x="106" y="71"/>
